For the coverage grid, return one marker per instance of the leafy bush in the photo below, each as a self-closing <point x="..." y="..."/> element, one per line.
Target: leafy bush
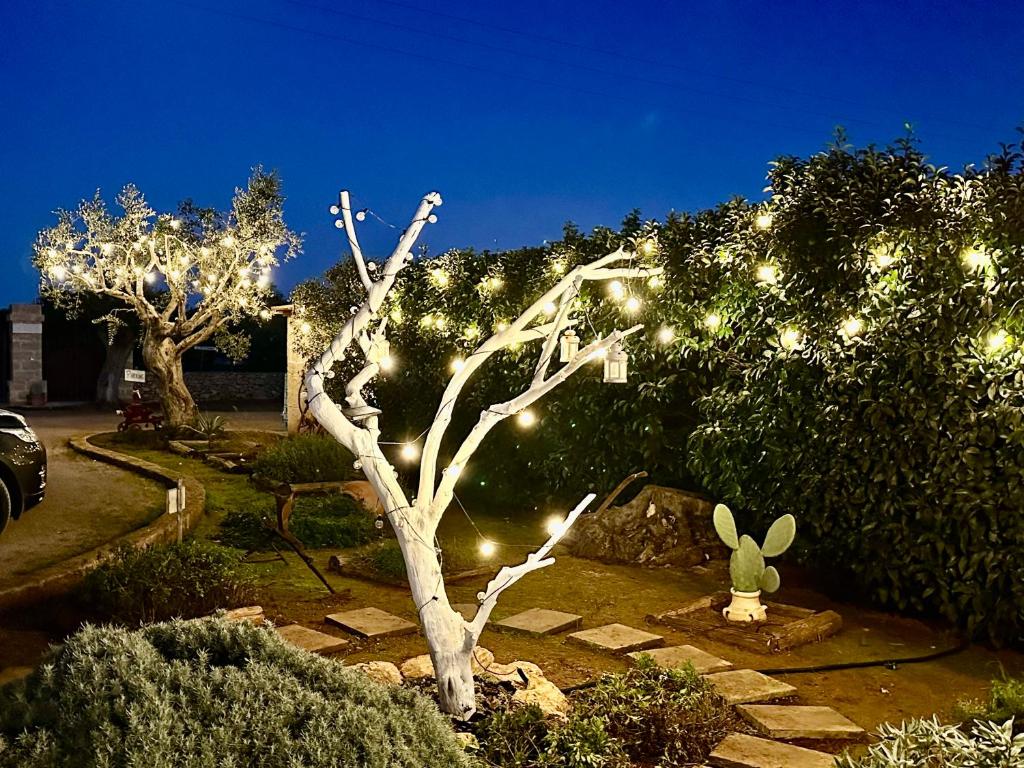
<point x="305" y="459"/>
<point x="318" y="522"/>
<point x="179" y="580"/>
<point x="852" y="358"/>
<point x="668" y="715"/>
<point x="1006" y="701"/>
<point x="383" y="560"/>
<point x="926" y="743"/>
<point x="212" y="693"/>
<point x="521" y="737"/>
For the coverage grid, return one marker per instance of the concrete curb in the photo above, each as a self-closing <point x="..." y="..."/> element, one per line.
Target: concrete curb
<point x="60" y="578"/>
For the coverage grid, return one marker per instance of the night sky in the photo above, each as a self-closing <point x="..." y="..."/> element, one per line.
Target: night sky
<point x="524" y="115"/>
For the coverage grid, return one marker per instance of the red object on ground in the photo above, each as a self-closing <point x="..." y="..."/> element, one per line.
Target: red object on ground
<point x="138" y="414"/>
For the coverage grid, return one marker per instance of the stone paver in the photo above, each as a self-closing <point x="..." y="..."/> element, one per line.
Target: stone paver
<point x="677" y="656"/>
<point x="310" y="639"/>
<point x="745" y="686"/>
<point x="371" y="622"/>
<point x="540" y="621"/>
<point x="738" y="750"/>
<point x="617" y="638"/>
<point x="799" y="722"/>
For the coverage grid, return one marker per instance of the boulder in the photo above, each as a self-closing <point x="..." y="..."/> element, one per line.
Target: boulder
<point x="419" y="667"/>
<point x="661" y="526"/>
<point x="545" y="694"/>
<point x="380" y="671"/>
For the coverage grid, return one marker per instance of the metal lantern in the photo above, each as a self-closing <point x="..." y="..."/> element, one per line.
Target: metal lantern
<point x="616" y="365"/>
<point x="570" y="346"/>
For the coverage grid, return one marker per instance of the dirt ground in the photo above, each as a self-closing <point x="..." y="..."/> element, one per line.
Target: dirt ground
<point x="602" y="594"/>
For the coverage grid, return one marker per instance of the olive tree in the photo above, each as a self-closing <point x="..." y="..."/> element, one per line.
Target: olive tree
<point x="189" y="277"/>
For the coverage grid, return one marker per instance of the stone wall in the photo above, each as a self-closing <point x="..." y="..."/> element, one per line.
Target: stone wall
<point x="25" y="325"/>
<point x="228" y="386"/>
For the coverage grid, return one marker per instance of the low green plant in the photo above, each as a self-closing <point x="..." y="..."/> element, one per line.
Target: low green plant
<point x="212" y="693"/>
<point x="746" y="565"/>
<point x="305" y="459"/>
<point x="929" y="744"/>
<point x="1006" y="700"/>
<point x="335" y="521"/>
<point x="521" y="737"/>
<point x="671" y="716"/>
<point x="189" y="579"/>
<point x="210" y="426"/>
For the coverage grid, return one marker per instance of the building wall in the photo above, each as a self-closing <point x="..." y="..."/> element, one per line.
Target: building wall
<point x="228" y="386"/>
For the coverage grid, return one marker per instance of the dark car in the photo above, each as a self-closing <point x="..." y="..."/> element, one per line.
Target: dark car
<point x="22" y="467"/>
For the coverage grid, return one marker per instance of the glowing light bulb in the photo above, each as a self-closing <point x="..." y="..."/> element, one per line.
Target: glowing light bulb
<point x="426" y="321"/>
<point x="264" y="281"/>
<point x="266" y="314"/>
<point x="655" y="282"/>
<point x="554" y="525"/>
<point x="227" y="241"/>
<point x="558" y="266"/>
<point x="501" y="327"/>
<point x="487" y="548"/>
<point x="471" y="332"/>
<point x="410" y="451"/>
<point x="763" y="221"/>
<point x="976" y="259"/>
<point x="439" y="278"/>
<point x="456" y="365"/>
<point x="107" y="248"/>
<point x="387" y="363"/>
<point x="361" y="215"/>
<point x="454" y="470"/>
<point x="666" y="334"/>
<point x="852" y="326"/>
<point x="768" y="274"/>
<point x="306" y="328"/>
<point x="432" y="218"/>
<point x="615" y="289"/>
<point x="335" y="210"/>
<point x="339" y="224"/>
<point x="58" y="273"/>
<point x="526" y="418"/>
<point x="550" y="308"/>
<point x="396" y="316"/>
<point x="441" y="322"/>
<point x="632" y="304"/>
<point x="790" y="339"/>
<point x="648" y="247"/>
<point x="997" y="340"/>
<point x="712" y="321"/>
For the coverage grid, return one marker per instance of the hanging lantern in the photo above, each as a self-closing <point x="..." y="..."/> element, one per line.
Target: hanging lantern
<point x="379" y="523"/>
<point x="616" y="365"/>
<point x="570" y="346"/>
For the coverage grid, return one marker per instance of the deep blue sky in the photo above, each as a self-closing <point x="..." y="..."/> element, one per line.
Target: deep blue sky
<point x="523" y="115"/>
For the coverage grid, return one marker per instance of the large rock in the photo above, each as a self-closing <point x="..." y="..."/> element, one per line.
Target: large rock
<point x="661" y="526"/>
<point x="532" y="687"/>
<point x="419" y="667"/>
<point x="380" y="671"/>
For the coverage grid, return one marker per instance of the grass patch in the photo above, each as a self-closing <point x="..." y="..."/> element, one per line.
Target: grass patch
<point x="305" y="459"/>
<point x="319" y="522"/>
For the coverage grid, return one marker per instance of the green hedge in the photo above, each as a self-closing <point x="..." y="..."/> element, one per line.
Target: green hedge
<point x="305" y="459"/>
<point x="898" y="445"/>
<point x="212" y="693"/>
<point x="317" y="521"/>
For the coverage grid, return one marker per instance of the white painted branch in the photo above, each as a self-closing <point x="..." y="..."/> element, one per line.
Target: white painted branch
<point x="353" y="241"/>
<point x="551" y="344"/>
<point x="509" y="575"/>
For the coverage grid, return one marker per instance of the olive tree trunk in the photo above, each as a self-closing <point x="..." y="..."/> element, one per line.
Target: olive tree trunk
<point x="163" y="362"/>
<point x="111" y="377"/>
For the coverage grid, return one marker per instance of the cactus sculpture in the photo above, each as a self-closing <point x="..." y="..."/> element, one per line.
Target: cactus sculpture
<point x="746" y="566"/>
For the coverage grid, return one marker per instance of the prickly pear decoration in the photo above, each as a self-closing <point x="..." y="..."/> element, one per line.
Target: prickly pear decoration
<point x="747" y="566"/>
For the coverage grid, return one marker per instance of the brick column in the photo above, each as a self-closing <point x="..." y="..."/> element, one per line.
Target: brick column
<point x="293" y="385"/>
<point x="26" y="329"/>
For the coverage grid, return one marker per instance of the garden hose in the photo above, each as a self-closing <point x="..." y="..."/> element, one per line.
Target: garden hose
<point x="961" y="646"/>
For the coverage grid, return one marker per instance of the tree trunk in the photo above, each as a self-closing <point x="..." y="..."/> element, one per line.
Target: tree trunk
<point x="163" y="362"/>
<point x="108" y="383"/>
<point x="450" y="642"/>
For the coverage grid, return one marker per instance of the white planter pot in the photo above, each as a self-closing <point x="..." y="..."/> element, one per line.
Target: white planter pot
<point x="745" y="607"/>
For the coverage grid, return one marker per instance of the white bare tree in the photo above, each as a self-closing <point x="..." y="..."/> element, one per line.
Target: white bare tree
<point x="450" y="638"/>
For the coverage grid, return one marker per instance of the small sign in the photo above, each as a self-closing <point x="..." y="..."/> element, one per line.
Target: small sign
<point x="130" y="374"/>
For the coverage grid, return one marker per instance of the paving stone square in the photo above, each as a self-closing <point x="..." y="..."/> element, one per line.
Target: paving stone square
<point x="745" y="686"/>
<point x="738" y="750"/>
<point x="371" y="623"/>
<point x="617" y="638"/>
<point x="799" y="722"/>
<point x="677" y="656"/>
<point x="540" y="621"/>
<point x="311" y="639"/>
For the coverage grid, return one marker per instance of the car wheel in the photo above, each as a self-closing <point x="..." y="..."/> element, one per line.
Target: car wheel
<point x="5" y="506"/>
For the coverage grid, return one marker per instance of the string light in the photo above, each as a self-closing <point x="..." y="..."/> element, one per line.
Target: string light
<point x="487" y="548"/>
<point x="976" y="259"/>
<point x="790" y="339"/>
<point x="655" y="282"/>
<point x="396" y="316"/>
<point x="558" y="267"/>
<point x="454" y="470"/>
<point x="648" y="247"/>
<point x="387" y="363"/>
<point x="666" y="335"/>
<point x="763" y="221"/>
<point x="410" y="451"/>
<point x="768" y="274"/>
<point x="712" y="321"/>
<point x="456" y="365"/>
<point x="526" y="418"/>
<point x="852" y="326"/>
<point x="439" y="278"/>
<point x="554" y="525"/>
<point x="615" y="290"/>
<point x="550" y="308"/>
<point x="440" y="322"/>
<point x="632" y="304"/>
<point x="997" y="340"/>
<point x="58" y="273"/>
<point x="266" y="314"/>
<point x="227" y="241"/>
<point x="427" y="320"/>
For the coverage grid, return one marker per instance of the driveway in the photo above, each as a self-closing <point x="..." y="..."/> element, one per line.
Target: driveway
<point x="87" y="503"/>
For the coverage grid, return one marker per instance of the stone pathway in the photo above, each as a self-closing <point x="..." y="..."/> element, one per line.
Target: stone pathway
<point x="737" y="750"/>
<point x="678" y="656"/>
<point x="371" y="623"/>
<point x="540" y="621"/>
<point x="617" y="638"/>
<point x="310" y="639"/>
<point x="745" y="686"/>
<point x="799" y="722"/>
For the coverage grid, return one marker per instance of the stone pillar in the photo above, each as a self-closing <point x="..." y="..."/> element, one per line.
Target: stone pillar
<point x="293" y="389"/>
<point x="26" y="329"/>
